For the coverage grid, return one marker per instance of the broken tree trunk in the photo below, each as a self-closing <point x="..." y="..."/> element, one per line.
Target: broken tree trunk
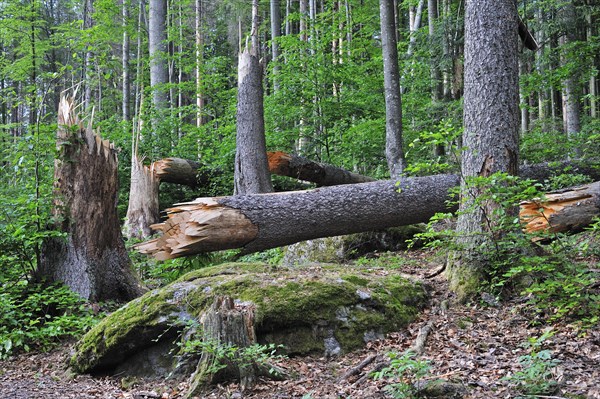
<point x="283" y="164"/>
<point x="143" y="208"/>
<point x="92" y="259"/>
<point x="570" y="209"/>
<point x="227" y="330"/>
<point x="181" y="171"/>
<point x="261" y="221"/>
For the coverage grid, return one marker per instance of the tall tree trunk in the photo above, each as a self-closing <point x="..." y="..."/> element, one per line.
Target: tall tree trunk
<point x="491" y="128"/>
<point x="199" y="31"/>
<point x="92" y="259"/>
<point x="571" y="90"/>
<point x="125" y="58"/>
<point x="275" y="33"/>
<point x="88" y="6"/>
<point x="251" y="173"/>
<point x="592" y="83"/>
<point x="393" y="103"/>
<point x="434" y="70"/>
<point x="157" y="45"/>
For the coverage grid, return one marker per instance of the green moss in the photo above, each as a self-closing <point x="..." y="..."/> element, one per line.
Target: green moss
<point x="356" y="280"/>
<point x="298" y="309"/>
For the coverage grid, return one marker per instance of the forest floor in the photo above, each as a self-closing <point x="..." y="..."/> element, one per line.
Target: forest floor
<point x="477" y="345"/>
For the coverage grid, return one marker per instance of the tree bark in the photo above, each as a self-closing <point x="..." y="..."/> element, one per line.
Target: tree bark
<point x="157" y="45"/>
<point x="251" y="173"/>
<point x="275" y="34"/>
<point x="491" y="129"/>
<point x="92" y="259"/>
<point x="126" y="100"/>
<point x="391" y="80"/>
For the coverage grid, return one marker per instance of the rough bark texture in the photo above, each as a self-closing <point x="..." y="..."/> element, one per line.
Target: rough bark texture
<point x="258" y="222"/>
<point x="92" y="259"/>
<point x="251" y="166"/>
<point x="565" y="210"/>
<point x="491" y="126"/>
<point x="143" y="208"/>
<point x="283" y="164"/>
<point x="391" y="81"/>
<point x="571" y="88"/>
<point x="275" y="33"/>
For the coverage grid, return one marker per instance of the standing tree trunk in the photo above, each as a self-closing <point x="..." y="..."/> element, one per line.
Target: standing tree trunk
<point x="157" y="45"/>
<point x="92" y="259"/>
<point x="251" y="174"/>
<point x="143" y="209"/>
<point x="125" y="59"/>
<point x="391" y="80"/>
<point x="491" y="128"/>
<point x="275" y="33"/>
<point x="571" y="91"/>
<point x="199" y="59"/>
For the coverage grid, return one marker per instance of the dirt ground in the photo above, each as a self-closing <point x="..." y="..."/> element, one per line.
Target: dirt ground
<point x="476" y="345"/>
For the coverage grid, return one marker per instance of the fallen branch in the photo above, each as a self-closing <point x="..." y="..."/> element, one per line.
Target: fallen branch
<point x="358" y="369"/>
<point x="419" y="346"/>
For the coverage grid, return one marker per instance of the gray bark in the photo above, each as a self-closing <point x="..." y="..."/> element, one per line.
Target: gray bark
<point x="391" y="79"/>
<point x="157" y="45"/>
<point x="251" y="166"/>
<point x="92" y="259"/>
<point x="491" y="126"/>
<point x="571" y="90"/>
<point x="275" y="33"/>
<point x="286" y="218"/>
<point x="125" y="58"/>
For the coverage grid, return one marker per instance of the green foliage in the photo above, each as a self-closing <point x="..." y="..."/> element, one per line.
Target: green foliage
<point x="38" y="317"/>
<point x="565" y="180"/>
<point x="557" y="283"/>
<point x="535" y="377"/>
<point x="403" y="372"/>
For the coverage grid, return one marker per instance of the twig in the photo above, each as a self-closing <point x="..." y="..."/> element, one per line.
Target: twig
<point x="378" y="367"/>
<point x="357" y="369"/>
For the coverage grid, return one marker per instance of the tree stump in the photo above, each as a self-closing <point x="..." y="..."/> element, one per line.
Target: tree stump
<point x="231" y="327"/>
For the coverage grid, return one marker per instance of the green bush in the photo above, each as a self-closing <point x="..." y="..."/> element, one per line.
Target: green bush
<point x="37" y="317"/>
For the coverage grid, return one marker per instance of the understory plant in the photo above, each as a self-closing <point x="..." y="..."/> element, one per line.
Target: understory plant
<point x="536" y="374"/>
<point x="402" y="373"/>
<point x="39" y="317"/>
<point x="546" y="268"/>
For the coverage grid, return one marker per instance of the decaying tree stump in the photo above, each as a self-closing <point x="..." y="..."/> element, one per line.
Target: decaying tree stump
<point x="92" y="259"/>
<point x="228" y="325"/>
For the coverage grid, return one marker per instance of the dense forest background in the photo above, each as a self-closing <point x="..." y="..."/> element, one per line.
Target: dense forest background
<point x="162" y="77"/>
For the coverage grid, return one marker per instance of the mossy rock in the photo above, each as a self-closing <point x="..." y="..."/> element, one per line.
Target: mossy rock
<point x="324" y="308"/>
<point x="342" y="248"/>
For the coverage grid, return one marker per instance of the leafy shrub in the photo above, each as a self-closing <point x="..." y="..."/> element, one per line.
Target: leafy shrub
<point x="535" y="377"/>
<point x="403" y="372"/>
<point x="39" y="317"/>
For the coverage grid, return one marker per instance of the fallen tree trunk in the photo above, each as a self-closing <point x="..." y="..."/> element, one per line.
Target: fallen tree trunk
<point x="184" y="171"/>
<point x="261" y="221"/>
<point x="180" y="171"/>
<point x="570" y="209"/>
<point x="283" y="164"/>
